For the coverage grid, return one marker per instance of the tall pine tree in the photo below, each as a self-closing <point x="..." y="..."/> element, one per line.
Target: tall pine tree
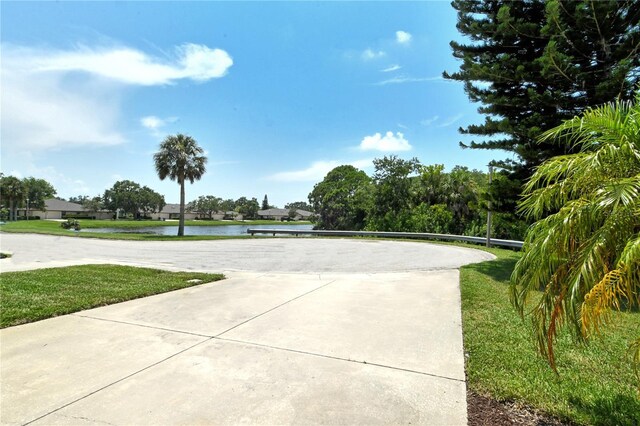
<point x="534" y="64"/>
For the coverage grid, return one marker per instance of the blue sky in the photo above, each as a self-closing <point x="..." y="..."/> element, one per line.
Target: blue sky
<point x="277" y="93"/>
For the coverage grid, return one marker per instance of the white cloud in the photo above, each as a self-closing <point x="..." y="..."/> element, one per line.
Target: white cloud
<point x="46" y="106"/>
<point x="386" y="143"/>
<point x="429" y="121"/>
<point x="451" y="120"/>
<point x="402" y="126"/>
<point x="391" y="68"/>
<point x="316" y="172"/>
<point x="154" y="123"/>
<point x="45" y="113"/>
<point x="403" y="37"/>
<point x="127" y="65"/>
<point x="406" y="79"/>
<point x="369" y="54"/>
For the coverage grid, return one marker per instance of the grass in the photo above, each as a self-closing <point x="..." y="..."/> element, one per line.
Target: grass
<point x="595" y="385"/>
<point x="53" y="228"/>
<point x="35" y="295"/>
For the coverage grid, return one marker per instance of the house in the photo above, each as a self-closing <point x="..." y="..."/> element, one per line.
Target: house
<point x="231" y="215"/>
<point x="304" y="215"/>
<point x="280" y="214"/>
<point x="172" y="211"/>
<point x="60" y="209"/>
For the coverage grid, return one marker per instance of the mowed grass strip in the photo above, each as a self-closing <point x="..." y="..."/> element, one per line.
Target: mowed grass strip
<point x="596" y="383"/>
<point x="35" y="295"/>
<point x="50" y="227"/>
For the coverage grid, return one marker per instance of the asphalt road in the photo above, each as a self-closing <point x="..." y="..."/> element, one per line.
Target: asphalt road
<point x="32" y="251"/>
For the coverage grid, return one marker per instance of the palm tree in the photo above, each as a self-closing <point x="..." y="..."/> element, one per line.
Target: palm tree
<point x="180" y="158"/>
<point x="585" y="255"/>
<point x="12" y="189"/>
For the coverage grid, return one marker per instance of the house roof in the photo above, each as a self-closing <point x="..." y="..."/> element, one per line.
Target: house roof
<point x="175" y="209"/>
<point x="61" y="205"/>
<point x="273" y="212"/>
<point x="172" y="208"/>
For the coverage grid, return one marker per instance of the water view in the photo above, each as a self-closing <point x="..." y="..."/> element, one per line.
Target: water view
<point x="198" y="230"/>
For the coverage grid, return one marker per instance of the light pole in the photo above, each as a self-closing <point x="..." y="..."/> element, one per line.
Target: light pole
<point x="27" y="209"/>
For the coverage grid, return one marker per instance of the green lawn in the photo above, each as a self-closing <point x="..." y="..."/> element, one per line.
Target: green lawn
<point x="35" y="295"/>
<point x="54" y="228"/>
<point x="595" y="385"/>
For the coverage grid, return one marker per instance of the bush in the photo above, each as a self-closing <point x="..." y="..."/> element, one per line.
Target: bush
<point x="71" y="224"/>
<point x="436" y="218"/>
<point x="508" y="226"/>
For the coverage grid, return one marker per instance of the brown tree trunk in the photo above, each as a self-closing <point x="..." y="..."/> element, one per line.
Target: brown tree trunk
<point x="181" y="222"/>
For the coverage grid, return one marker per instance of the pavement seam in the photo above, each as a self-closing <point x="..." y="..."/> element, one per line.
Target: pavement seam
<point x="119" y="380"/>
<point x="207" y="339"/>
<point x="274" y="308"/>
<point x="135" y="324"/>
<point x="407" y="370"/>
<point x="200" y="334"/>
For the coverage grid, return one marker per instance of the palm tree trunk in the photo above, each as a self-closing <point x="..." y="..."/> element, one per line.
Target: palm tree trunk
<point x="12" y="212"/>
<point x="181" y="222"/>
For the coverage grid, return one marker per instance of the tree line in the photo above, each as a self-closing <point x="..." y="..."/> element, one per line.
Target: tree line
<point x="125" y="197"/>
<point x="407" y="196"/>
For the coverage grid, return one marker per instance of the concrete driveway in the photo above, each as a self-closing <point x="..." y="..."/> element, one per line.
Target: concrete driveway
<point x="304" y="331"/>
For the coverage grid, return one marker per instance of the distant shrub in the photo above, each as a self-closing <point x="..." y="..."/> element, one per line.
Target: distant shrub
<point x="71" y="224"/>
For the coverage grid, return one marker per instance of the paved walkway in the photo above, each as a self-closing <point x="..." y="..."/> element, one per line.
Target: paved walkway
<point x="335" y="331"/>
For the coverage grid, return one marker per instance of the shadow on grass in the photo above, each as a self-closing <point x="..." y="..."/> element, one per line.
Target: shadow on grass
<point x="614" y="410"/>
<point x="498" y="269"/>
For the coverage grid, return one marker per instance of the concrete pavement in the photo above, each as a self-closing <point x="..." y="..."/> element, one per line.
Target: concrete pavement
<point x="314" y="347"/>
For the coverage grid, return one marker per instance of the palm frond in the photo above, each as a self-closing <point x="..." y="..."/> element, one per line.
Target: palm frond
<point x="180" y="158"/>
<point x="609" y="123"/>
<point x="584" y="250"/>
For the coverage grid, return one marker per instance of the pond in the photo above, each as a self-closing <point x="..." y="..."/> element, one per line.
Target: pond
<point x="196" y="230"/>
